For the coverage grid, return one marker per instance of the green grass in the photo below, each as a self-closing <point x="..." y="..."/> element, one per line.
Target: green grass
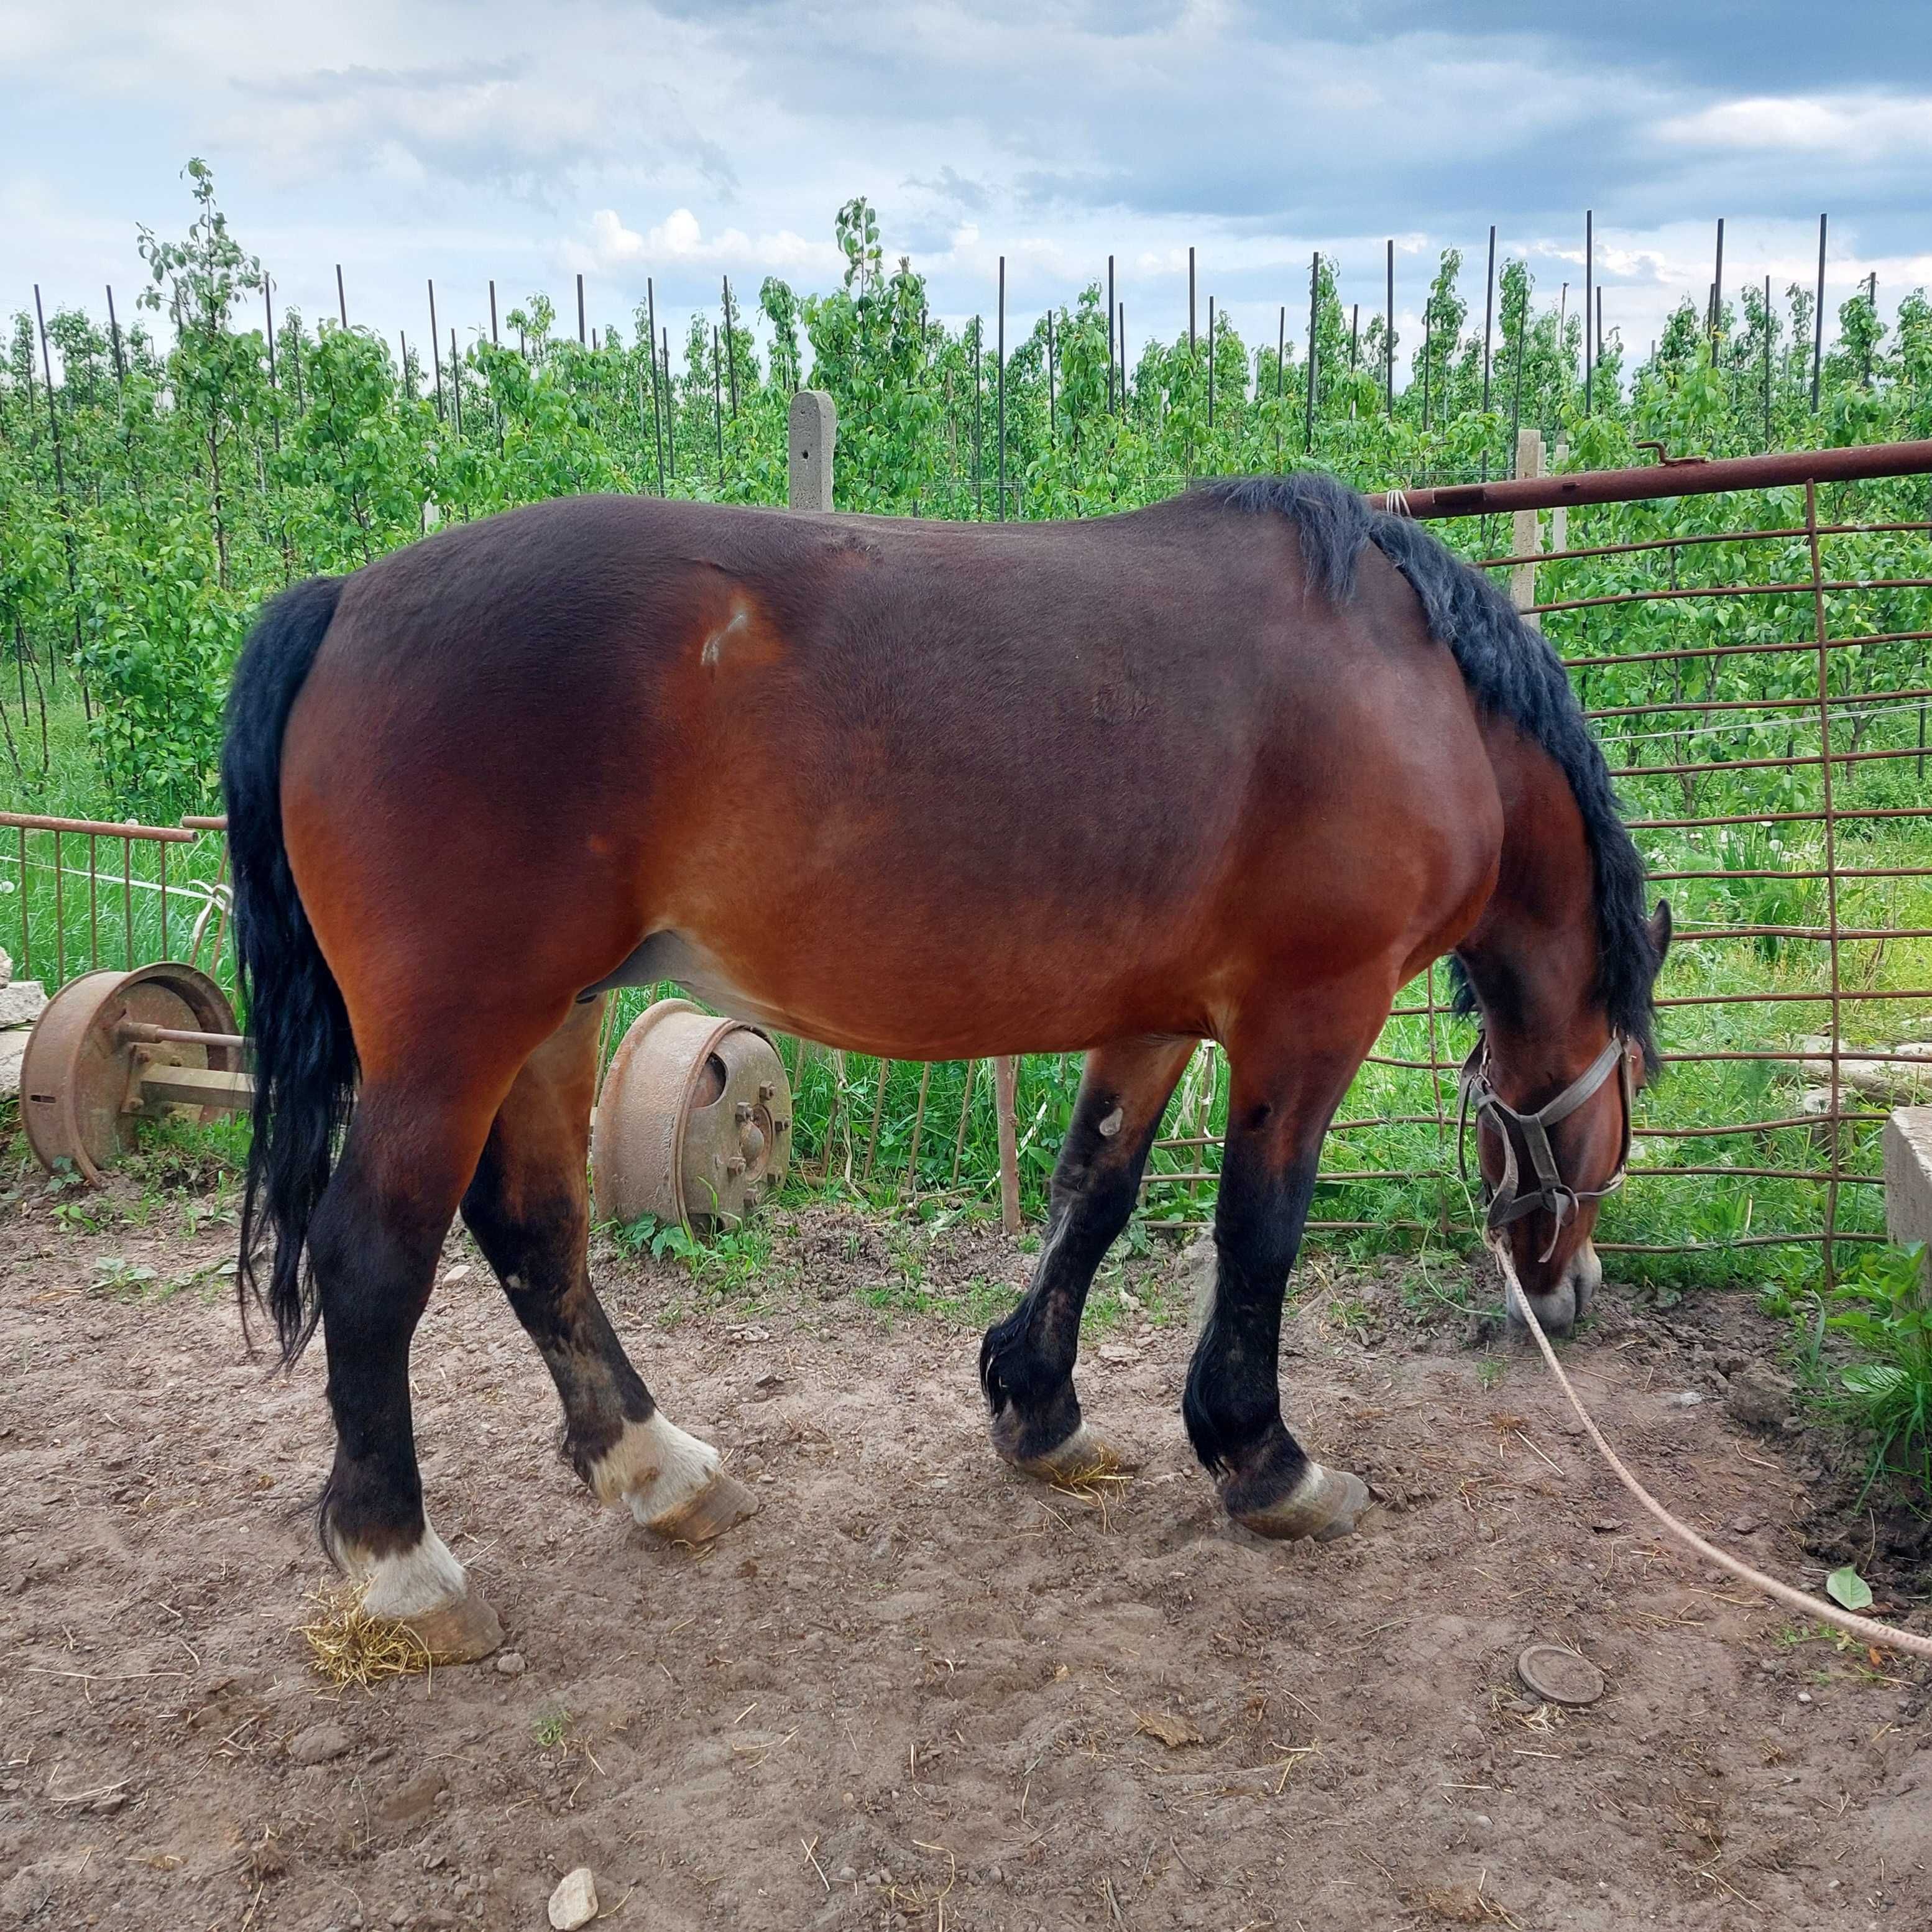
<point x="1865" y="1349"/>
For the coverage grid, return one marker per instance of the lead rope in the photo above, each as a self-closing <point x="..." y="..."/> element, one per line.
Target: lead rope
<point x="1869" y="1628"/>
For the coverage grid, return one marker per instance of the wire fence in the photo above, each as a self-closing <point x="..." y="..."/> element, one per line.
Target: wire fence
<point x="1773" y="769"/>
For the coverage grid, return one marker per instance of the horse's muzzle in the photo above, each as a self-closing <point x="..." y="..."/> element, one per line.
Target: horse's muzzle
<point x="1561" y="1306"/>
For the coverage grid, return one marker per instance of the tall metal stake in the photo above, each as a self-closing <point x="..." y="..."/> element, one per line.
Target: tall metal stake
<point x="1001" y="353"/>
<point x="1388" y="338"/>
<point x="1488" y="313"/>
<point x="1314" y="365"/>
<point x="1589" y="274"/>
<point x="435" y="349"/>
<point x="1818" y="321"/>
<point x="1717" y="294"/>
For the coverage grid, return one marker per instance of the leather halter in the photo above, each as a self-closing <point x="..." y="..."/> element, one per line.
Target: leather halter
<point x="1551" y="1194"/>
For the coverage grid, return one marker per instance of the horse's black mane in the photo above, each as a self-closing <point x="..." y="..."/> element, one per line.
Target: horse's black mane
<point x="1511" y="669"/>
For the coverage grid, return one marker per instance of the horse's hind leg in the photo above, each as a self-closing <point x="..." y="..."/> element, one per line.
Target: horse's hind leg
<point x="1288" y="1079"/>
<point x="1026" y="1362"/>
<point x="529" y="1208"/>
<point x="411" y="1147"/>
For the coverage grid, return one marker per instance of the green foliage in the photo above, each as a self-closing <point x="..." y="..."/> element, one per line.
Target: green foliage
<point x="203" y="466"/>
<point x="1881" y="1313"/>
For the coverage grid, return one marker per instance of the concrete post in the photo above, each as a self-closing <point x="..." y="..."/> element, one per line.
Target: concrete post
<point x="814" y="434"/>
<point x="1526" y="527"/>
<point x="1559" y="519"/>
<point x="1908" y="1175"/>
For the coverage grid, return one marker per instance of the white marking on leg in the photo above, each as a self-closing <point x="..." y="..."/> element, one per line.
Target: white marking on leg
<point x="1111" y="1126"/>
<point x="655" y="1467"/>
<point x="409" y="1583"/>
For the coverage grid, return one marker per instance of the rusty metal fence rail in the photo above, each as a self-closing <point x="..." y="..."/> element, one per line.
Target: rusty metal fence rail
<point x="1798" y="869"/>
<point x="87" y="893"/>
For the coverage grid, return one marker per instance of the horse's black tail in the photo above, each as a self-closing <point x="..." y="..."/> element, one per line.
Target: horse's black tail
<point x="305" y="1056"/>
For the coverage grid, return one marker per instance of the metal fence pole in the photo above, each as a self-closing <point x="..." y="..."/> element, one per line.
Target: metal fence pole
<point x="1821" y="631"/>
<point x="1314" y="363"/>
<point x="1005" y="1090"/>
<point x="999" y="354"/>
<point x="1818" y="321"/>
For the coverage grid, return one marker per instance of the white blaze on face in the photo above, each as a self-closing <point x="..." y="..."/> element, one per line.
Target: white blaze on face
<point x="655" y="1467"/>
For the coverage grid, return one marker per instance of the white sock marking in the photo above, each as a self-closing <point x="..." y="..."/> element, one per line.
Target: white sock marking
<point x="655" y="1468"/>
<point x="409" y="1584"/>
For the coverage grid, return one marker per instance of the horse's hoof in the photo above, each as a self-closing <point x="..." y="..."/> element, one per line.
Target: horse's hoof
<point x="722" y="1501"/>
<point x="1083" y="1455"/>
<point x="461" y="1632"/>
<point x="1324" y="1505"/>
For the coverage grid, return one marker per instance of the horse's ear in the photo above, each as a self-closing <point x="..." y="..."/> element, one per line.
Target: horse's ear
<point x="1658" y="926"/>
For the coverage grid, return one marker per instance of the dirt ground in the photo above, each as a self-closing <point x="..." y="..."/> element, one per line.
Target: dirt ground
<point x="917" y="1690"/>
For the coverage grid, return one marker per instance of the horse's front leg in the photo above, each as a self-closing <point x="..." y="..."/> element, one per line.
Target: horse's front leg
<point x="1288" y="1077"/>
<point x="1026" y="1362"/>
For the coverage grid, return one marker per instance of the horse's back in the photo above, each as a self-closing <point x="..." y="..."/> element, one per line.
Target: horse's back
<point x="1035" y="769"/>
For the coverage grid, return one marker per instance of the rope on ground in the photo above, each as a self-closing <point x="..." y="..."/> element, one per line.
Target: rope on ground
<point x="1867" y="1628"/>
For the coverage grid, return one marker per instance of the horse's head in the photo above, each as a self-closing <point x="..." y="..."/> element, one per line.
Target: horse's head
<point x="1552" y="1144"/>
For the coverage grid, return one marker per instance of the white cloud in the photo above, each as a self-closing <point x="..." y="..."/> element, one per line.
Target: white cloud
<point x="1845" y="126"/>
<point x="612" y="247"/>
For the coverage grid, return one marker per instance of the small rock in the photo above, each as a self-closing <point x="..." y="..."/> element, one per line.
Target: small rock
<point x="459" y="1273"/>
<point x="416" y="1800"/>
<point x="575" y="1901"/>
<point x="1684" y="1398"/>
<point x="1746" y="1525"/>
<point x="319" y="1744"/>
<point x="510" y="1664"/>
<point x="1606" y="1525"/>
<point x="1804" y="1696"/>
<point x="24" y="1894"/>
<point x="21" y="1002"/>
<point x="1759" y="1397"/>
<point x="848" y="1875"/>
<point x="1480" y="1820"/>
<point x="400" y="1916"/>
<point x="1121" y="1354"/>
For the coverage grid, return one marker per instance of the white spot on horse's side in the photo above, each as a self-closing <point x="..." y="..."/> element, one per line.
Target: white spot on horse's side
<point x="714" y="645"/>
<point x="655" y="1467"/>
<point x="1111" y="1126"/>
<point x="409" y="1584"/>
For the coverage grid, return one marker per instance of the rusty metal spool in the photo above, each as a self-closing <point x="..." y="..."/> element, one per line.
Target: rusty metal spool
<point x="113" y="1048"/>
<point x="694" y="1123"/>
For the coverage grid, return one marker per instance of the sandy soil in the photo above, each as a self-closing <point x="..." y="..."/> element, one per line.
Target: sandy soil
<point x="915" y="1690"/>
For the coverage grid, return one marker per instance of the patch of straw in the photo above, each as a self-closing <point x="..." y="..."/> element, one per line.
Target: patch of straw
<point x="1093" y="1481"/>
<point x="347" y="1645"/>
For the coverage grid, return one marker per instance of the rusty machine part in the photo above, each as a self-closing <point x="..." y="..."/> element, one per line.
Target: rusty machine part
<point x="694" y="1123"/>
<point x="115" y="1048"/>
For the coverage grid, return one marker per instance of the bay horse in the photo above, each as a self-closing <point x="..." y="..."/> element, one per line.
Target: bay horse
<point x="1235" y="767"/>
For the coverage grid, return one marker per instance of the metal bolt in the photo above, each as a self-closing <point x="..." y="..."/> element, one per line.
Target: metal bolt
<point x="742" y="1111"/>
<point x="735" y="1164"/>
<point x="766" y="1090"/>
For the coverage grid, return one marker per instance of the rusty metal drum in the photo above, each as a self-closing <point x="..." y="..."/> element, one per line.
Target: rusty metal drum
<point x="693" y="1123"/>
<point x="115" y="1047"/>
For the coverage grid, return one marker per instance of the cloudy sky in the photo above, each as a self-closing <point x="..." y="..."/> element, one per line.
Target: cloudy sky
<point x="685" y="139"/>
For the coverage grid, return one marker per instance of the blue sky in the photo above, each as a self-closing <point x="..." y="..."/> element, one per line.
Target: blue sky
<point x="687" y="138"/>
